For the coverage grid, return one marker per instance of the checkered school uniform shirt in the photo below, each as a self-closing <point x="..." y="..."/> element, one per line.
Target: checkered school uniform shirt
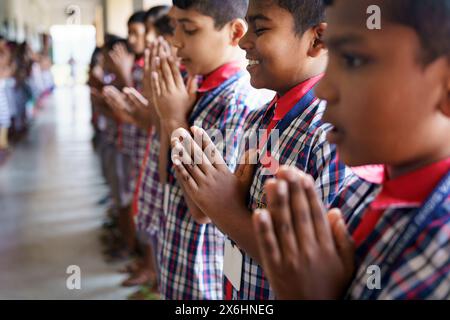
<point x="150" y="190"/>
<point x="111" y="132"/>
<point x="140" y="147"/>
<point x="5" y="114"/>
<point x="129" y="133"/>
<point x="127" y="139"/>
<point x="303" y="145"/>
<point x="191" y="265"/>
<point x="422" y="271"/>
<point x="131" y="141"/>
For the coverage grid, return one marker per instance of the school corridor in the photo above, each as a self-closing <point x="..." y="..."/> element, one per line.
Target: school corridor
<point x="50" y="218"/>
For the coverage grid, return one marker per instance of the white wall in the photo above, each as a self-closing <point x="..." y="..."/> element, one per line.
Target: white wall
<point x="40" y="15"/>
<point x="117" y="14"/>
<point x="152" y="3"/>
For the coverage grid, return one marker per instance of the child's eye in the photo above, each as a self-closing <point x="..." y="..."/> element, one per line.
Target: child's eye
<point x="260" y="31"/>
<point x="190" y="31"/>
<point x="354" y="61"/>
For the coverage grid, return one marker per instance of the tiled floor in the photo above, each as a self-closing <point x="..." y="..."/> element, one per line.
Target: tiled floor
<point x="49" y="218"/>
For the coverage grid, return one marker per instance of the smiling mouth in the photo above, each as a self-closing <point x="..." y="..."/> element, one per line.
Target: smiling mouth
<point x="253" y="64"/>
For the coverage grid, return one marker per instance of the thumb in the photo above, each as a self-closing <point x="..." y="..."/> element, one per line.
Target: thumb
<point x="192" y="86"/>
<point x="342" y="238"/>
<point x="247" y="175"/>
<point x="246" y="171"/>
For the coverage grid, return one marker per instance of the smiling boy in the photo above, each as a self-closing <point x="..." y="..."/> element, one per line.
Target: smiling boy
<point x="207" y="34"/>
<point x="287" y="55"/>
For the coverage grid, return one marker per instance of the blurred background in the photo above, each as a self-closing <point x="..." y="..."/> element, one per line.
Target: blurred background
<point x="74" y="28"/>
<point x="52" y="195"/>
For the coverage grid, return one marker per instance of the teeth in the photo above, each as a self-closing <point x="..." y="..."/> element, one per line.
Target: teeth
<point x="253" y="62"/>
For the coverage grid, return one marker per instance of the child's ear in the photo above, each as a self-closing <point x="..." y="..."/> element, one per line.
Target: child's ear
<point x="447" y="106"/>
<point x="238" y="29"/>
<point x="317" y="46"/>
<point x="444" y="102"/>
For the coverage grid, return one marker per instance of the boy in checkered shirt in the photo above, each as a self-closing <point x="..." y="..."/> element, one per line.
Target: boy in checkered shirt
<point x="207" y="34"/>
<point x="287" y="55"/>
<point x="389" y="239"/>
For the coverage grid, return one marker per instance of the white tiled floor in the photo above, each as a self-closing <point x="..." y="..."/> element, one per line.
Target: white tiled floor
<point x="49" y="218"/>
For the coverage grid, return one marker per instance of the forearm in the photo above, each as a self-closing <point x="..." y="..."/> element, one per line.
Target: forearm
<point x="170" y="125"/>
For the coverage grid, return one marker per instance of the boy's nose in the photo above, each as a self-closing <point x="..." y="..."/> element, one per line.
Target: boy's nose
<point x="245" y="43"/>
<point x="325" y="90"/>
<point x="176" y="40"/>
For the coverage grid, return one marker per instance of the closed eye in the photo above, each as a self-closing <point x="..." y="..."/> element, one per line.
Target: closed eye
<point x="354" y="61"/>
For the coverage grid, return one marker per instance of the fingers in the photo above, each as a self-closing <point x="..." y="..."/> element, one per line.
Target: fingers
<point x="149" y="54"/>
<point x="165" y="47"/>
<point x="115" y="98"/>
<point x="133" y="103"/>
<point x="136" y="98"/>
<point x="300" y="207"/>
<point x="247" y="175"/>
<point x="209" y="148"/>
<point x="148" y="62"/>
<point x="167" y="74"/>
<point x="158" y="65"/>
<point x="267" y="241"/>
<point x="153" y="51"/>
<point x="181" y="157"/>
<point x="169" y="70"/>
<point x="192" y="87"/>
<point x="156" y="88"/>
<point x="176" y="74"/>
<point x="158" y="75"/>
<point x="108" y="94"/>
<point x="278" y="206"/>
<point x="318" y="213"/>
<point x="342" y="239"/>
<point x="197" y="156"/>
<point x="121" y="49"/>
<point x="247" y="164"/>
<point x="184" y="176"/>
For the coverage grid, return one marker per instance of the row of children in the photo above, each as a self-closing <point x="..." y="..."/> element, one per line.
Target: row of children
<point x="346" y="192"/>
<point x="25" y="78"/>
<point x="126" y="142"/>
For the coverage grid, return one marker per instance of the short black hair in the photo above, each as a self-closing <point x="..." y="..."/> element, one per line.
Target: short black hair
<point x="164" y="26"/>
<point x="306" y="13"/>
<point x="430" y="19"/>
<point x="138" y="17"/>
<point x="222" y="11"/>
<point x="156" y="13"/>
<point x="95" y="57"/>
<point x="112" y="40"/>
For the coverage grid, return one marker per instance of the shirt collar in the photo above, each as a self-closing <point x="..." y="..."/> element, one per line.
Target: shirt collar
<point x="370" y="173"/>
<point x="140" y="62"/>
<point x="285" y="103"/>
<point x="219" y="76"/>
<point x="412" y="189"/>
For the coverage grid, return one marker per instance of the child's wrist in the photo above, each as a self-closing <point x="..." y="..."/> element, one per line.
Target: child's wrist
<point x="172" y="124"/>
